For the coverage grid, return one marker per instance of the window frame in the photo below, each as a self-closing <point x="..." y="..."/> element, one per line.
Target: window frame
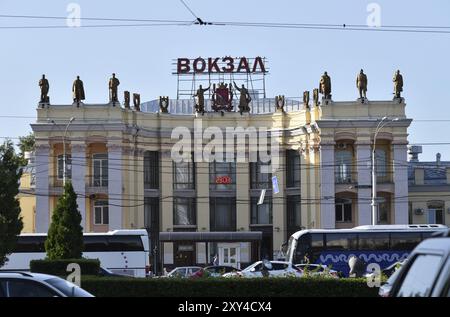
<point x="60" y="168"/>
<point x="191" y="182"/>
<point x="191" y="211"/>
<point x="254" y="212"/>
<point x="101" y="204"/>
<point x="103" y="160"/>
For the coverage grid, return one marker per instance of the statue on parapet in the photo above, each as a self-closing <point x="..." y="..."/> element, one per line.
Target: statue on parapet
<point x="361" y="84"/>
<point x="200" y="99"/>
<point x="126" y="97"/>
<point x="244" y="99"/>
<point x="306" y="99"/>
<point x="398" y="84"/>
<point x="164" y="104"/>
<point x="113" y="85"/>
<point x="325" y="86"/>
<point x="44" y="85"/>
<point x="78" y="90"/>
<point x="316" y="101"/>
<point x="137" y="101"/>
<point x="280" y="103"/>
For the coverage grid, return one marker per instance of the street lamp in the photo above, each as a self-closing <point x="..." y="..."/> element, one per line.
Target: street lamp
<point x="381" y="124"/>
<point x="64" y="147"/>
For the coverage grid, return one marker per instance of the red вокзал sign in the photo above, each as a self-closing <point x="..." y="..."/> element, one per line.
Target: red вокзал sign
<point x="220" y="65"/>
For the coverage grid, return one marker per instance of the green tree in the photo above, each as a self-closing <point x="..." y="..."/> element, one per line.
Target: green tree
<point x="10" y="220"/>
<point x="26" y="144"/>
<point x="65" y="234"/>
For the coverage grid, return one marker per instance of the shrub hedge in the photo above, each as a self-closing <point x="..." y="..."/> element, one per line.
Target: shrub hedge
<point x="227" y="287"/>
<point x="59" y="267"/>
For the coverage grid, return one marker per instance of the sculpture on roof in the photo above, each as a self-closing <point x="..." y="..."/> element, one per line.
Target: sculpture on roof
<point x="200" y="99"/>
<point x="126" y="97"/>
<point x="137" y="101"/>
<point x="398" y="84"/>
<point x="78" y="90"/>
<point x="280" y="103"/>
<point x="361" y="84"/>
<point x="164" y="104"/>
<point x="113" y="84"/>
<point x="325" y="86"/>
<point x="44" y="85"/>
<point x="306" y="99"/>
<point x="244" y="99"/>
<point x="316" y="97"/>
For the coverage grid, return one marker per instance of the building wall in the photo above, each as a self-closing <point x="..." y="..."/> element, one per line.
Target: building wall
<point x="126" y="134"/>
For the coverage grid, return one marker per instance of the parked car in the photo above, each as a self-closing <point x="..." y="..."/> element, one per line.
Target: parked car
<point x="183" y="271"/>
<point x="427" y="271"/>
<point x="215" y="271"/>
<point x="267" y="268"/>
<point x="108" y="273"/>
<point x="24" y="284"/>
<point x="317" y="270"/>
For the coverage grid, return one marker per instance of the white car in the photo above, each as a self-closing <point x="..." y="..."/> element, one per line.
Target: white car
<point x="271" y="268"/>
<point x="24" y="284"/>
<point x="317" y="270"/>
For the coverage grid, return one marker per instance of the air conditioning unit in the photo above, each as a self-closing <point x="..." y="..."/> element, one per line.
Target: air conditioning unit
<point x="342" y="146"/>
<point x="418" y="211"/>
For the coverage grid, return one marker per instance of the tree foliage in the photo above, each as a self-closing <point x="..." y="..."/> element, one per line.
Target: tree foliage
<point x="65" y="234"/>
<point x="10" y="220"/>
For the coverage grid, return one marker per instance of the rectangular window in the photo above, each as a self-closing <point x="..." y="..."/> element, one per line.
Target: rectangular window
<point x="405" y="241"/>
<point x="343" y="166"/>
<point x="435" y="216"/>
<point x="292" y="168"/>
<point x="68" y="166"/>
<point x="151" y="170"/>
<point x="261" y="177"/>
<point x="184" y="212"/>
<point x="184" y="175"/>
<point x="223" y="214"/>
<point x="293" y="208"/>
<point x="261" y="214"/>
<point x="343" y="210"/>
<point x="337" y="241"/>
<point x="100" y="170"/>
<point x="101" y="212"/>
<point x="373" y="241"/>
<point x="222" y="175"/>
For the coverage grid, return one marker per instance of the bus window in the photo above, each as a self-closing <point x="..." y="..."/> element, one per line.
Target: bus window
<point x="125" y="243"/>
<point x="30" y="244"/>
<point x="316" y="246"/>
<point x="405" y="240"/>
<point x="95" y="244"/>
<point x="340" y="241"/>
<point x="373" y="241"/>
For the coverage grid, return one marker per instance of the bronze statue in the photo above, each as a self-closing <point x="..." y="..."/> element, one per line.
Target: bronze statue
<point x="398" y="84"/>
<point x="126" y="97"/>
<point x="279" y="103"/>
<point x="44" y="85"/>
<point x="244" y="100"/>
<point x="113" y="84"/>
<point x="137" y="101"/>
<point x="306" y="99"/>
<point x="222" y="97"/>
<point x="164" y="104"/>
<point x="316" y="97"/>
<point x="361" y="84"/>
<point x="200" y="94"/>
<point x="325" y="86"/>
<point x="78" y="90"/>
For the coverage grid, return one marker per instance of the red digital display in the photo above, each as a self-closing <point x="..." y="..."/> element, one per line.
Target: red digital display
<point x="223" y="180"/>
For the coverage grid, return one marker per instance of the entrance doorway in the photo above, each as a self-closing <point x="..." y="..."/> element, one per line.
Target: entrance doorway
<point x="185" y="254"/>
<point x="230" y="254"/>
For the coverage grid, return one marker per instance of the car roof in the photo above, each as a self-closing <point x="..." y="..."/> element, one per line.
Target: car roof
<point x="37" y="276"/>
<point x="435" y="244"/>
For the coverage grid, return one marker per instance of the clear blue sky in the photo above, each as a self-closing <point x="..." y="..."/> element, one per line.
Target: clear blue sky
<point x="141" y="57"/>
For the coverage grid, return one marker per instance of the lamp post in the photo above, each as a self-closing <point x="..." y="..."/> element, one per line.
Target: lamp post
<point x="381" y="124"/>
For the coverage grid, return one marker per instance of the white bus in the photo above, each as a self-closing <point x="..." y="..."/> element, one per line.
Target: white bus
<point x="124" y="252"/>
<point x="382" y="244"/>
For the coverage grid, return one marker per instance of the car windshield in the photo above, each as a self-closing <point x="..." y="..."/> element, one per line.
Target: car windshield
<point x="248" y="268"/>
<point x="68" y="288"/>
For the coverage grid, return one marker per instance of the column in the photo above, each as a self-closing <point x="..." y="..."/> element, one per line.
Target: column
<point x="115" y="185"/>
<point x="304" y="187"/>
<point x="202" y="186"/>
<point x="400" y="184"/>
<point x="327" y="209"/>
<point x="363" y="163"/>
<point x="166" y="211"/>
<point x="42" y="153"/>
<point x="279" y="206"/>
<point x="242" y="195"/>
<point x="79" y="166"/>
